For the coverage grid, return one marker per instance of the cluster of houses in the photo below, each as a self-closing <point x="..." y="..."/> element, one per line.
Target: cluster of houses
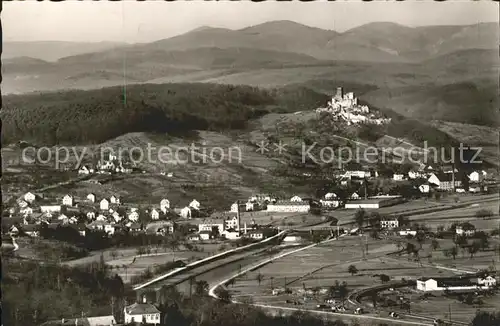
<point x="393" y="224"/>
<point x="136" y="313"/>
<point x="111" y="214"/>
<point x="427" y="178"/>
<point x="456" y="284"/>
<point x="345" y="107"/>
<point x="106" y="166"/>
<point x="107" y="214"/>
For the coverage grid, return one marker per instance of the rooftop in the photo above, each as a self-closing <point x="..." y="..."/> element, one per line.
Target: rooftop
<point x="141" y="309"/>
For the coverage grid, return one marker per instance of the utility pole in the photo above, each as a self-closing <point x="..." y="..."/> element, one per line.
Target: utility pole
<point x="453" y="175"/>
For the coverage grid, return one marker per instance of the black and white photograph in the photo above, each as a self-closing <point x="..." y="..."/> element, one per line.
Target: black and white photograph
<point x="239" y="163"/>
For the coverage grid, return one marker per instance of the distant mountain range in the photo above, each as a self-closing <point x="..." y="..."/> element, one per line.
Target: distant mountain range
<point x="53" y="50"/>
<point x="386" y="42"/>
<point x="407" y="68"/>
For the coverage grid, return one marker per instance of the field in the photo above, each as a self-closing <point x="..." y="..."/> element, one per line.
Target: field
<point x="318" y="268"/>
<point x="127" y="263"/>
<point x="467" y="214"/>
<point x="295" y="269"/>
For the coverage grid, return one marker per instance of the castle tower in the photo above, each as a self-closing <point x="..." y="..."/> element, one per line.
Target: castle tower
<point x="340" y="93"/>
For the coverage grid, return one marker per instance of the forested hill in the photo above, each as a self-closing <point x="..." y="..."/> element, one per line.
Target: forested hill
<point x="94" y="116"/>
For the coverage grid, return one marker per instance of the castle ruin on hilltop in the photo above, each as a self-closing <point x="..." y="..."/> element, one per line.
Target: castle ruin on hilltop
<point x="345" y="107"/>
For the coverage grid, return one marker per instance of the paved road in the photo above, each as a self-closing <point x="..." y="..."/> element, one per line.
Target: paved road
<point x="275" y="310"/>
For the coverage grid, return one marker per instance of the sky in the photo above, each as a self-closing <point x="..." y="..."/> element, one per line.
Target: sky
<point x="132" y="21"/>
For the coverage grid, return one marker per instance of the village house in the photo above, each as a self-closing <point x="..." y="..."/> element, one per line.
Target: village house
<point x="477" y="176"/>
<point x="260" y="198"/>
<point x="85" y="170"/>
<point x="231" y="223"/>
<point x="50" y="208"/>
<point x="155" y="215"/>
<point x="466" y="229"/>
<point x="231" y="234"/>
<point x="22" y="203"/>
<point x="91" y="197"/>
<point x="407" y="232"/>
<point x="330" y="200"/>
<point x="26" y="211"/>
<point x="186" y="212"/>
<point x="29" y="197"/>
<point x="330" y="196"/>
<point x="142" y="313"/>
<point x="250" y="206"/>
<point x="415" y="174"/>
<point x="289" y="206"/>
<point x="454" y="284"/>
<point x="195" y="204"/>
<point x="104" y="204"/>
<point x="296" y="199"/>
<point x="62" y="217"/>
<point x="193" y="237"/>
<point x="164" y="205"/>
<point x="114" y="200"/>
<point x="354" y="196"/>
<point x="375" y="202"/>
<point x="398" y="177"/>
<point x="134" y="227"/>
<point x="360" y="174"/>
<point x="424" y="188"/>
<point x="255" y="234"/>
<point x="161" y="227"/>
<point x="90" y="215"/>
<point x="101" y="218"/>
<point x="105" y="226"/>
<point x="234" y="207"/>
<point x="389" y="223"/>
<point x="210" y="224"/>
<point x="205" y="235"/>
<point x="133" y="216"/>
<point x="488" y="281"/>
<point x="444" y="181"/>
<point x="293" y="237"/>
<point x="67" y="200"/>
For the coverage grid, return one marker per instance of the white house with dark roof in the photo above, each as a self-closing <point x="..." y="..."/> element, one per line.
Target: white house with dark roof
<point x="114" y="200"/>
<point x="330" y="196"/>
<point x="29" y="197"/>
<point x="22" y="203"/>
<point x="209" y="224"/>
<point x="155" y="215"/>
<point x="104" y="204"/>
<point x="185" y="212"/>
<point x="164" y="205"/>
<point x="195" y="204"/>
<point x="91" y="197"/>
<point x="142" y="313"/>
<point x="67" y="200"/>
